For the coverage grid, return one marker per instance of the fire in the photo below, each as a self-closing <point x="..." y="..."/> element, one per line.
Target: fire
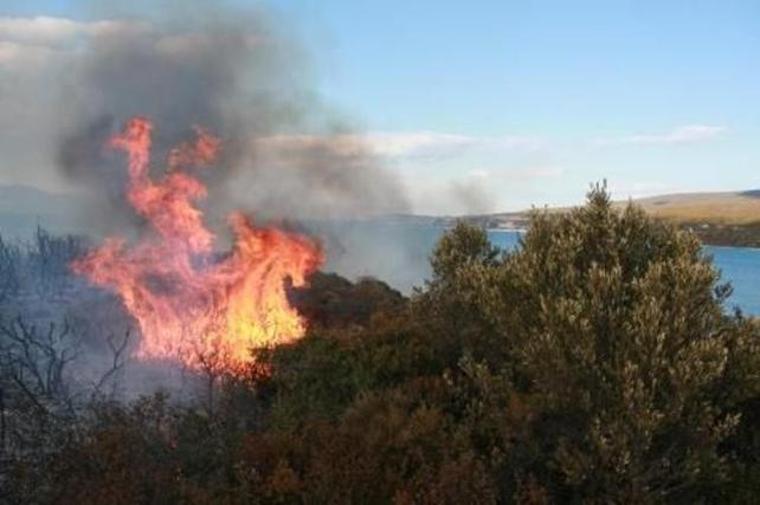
<point x="191" y="302"/>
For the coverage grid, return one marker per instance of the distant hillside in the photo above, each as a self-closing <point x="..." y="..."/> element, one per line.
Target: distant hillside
<point x="720" y="218"/>
<point x="741" y="208"/>
<point x="721" y="209"/>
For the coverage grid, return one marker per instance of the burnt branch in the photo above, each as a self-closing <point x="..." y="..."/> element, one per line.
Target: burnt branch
<point x="10" y="264"/>
<point x="35" y="362"/>
<point x="118" y="359"/>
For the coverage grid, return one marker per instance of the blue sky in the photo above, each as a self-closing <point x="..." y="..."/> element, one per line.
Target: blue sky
<point x="526" y="102"/>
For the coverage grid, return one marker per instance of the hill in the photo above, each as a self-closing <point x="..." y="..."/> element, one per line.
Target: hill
<point x="719" y="218"/>
<point x="739" y="208"/>
<point x="728" y="209"/>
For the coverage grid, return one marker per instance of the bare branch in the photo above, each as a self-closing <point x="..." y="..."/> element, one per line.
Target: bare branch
<point x="118" y="359"/>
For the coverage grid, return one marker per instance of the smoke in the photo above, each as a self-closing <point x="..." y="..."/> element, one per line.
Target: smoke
<point x="67" y="86"/>
<point x="239" y="74"/>
<point x="471" y="196"/>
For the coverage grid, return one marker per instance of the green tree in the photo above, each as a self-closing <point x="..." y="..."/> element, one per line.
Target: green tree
<point x="612" y="326"/>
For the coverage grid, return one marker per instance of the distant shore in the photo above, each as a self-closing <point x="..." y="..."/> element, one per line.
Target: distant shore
<point x="719" y="219"/>
<point x="713" y="235"/>
<point x="726" y="235"/>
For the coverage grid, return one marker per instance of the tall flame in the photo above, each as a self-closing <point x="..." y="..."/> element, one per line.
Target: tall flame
<point x="192" y="303"/>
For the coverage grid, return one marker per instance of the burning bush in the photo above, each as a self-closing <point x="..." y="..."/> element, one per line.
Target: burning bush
<point x="190" y="303"/>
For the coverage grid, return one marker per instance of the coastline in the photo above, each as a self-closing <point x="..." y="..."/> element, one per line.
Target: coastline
<point x="746" y="236"/>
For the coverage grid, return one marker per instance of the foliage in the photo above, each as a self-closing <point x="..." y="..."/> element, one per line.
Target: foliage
<point x="331" y="301"/>
<point x="596" y="363"/>
<point x="611" y="326"/>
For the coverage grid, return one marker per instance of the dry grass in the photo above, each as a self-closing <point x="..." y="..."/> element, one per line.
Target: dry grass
<point x="729" y="209"/>
<point x="713" y="208"/>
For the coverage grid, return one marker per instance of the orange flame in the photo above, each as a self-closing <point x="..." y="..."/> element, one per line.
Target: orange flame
<point x="188" y="303"/>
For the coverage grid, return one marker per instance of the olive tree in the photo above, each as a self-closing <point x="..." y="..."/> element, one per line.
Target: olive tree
<point x="613" y="326"/>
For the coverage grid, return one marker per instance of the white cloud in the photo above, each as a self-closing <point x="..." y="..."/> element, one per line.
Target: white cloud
<point x="18" y="56"/>
<point x="681" y="135"/>
<point x="40" y="30"/>
<point x="433" y="144"/>
<point x="436" y="145"/>
<point x="479" y="174"/>
<point x="538" y="172"/>
<point x="423" y="144"/>
<point x="340" y="144"/>
<point x="518" y="173"/>
<point x="640" y="189"/>
<point x="411" y="143"/>
<point x="36" y="42"/>
<point x="52" y="31"/>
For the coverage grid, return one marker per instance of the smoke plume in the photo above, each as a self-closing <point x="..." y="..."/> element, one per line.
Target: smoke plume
<point x="238" y="74"/>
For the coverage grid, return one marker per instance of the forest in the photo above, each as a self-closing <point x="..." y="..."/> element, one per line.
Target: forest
<point x="597" y="363"/>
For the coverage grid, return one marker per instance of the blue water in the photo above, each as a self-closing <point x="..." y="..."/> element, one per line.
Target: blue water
<point x="741" y="267"/>
<point x="399" y="254"/>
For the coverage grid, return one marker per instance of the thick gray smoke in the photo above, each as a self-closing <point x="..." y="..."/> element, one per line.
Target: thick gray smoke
<point x="237" y="76"/>
<point x="66" y="86"/>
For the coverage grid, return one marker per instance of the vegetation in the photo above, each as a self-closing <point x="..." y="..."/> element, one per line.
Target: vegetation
<point x="595" y="364"/>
